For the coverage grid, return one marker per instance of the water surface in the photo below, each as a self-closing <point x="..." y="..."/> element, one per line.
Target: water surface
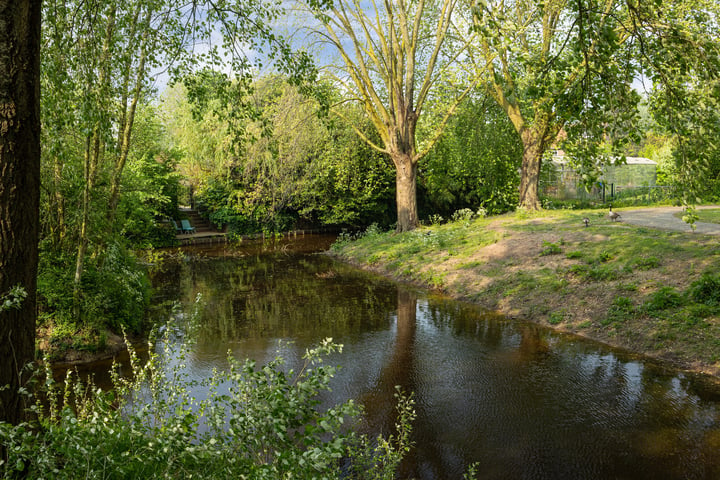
<point x="521" y="401"/>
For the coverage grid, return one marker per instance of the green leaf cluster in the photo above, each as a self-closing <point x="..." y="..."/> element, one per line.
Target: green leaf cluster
<point x="260" y="422"/>
<point x="296" y="167"/>
<point x="475" y="163"/>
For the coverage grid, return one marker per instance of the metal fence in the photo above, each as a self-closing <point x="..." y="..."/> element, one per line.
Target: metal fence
<point x="605" y="192"/>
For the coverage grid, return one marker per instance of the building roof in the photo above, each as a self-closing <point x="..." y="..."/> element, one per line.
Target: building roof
<point x="640" y="161"/>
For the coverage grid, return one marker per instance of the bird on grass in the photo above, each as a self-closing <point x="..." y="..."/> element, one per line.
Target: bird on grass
<point x="614" y="216"/>
<point x="586" y="220"/>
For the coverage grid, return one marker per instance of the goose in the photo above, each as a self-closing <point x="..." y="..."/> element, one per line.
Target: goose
<point x="613" y="215"/>
<point x="586" y="220"/>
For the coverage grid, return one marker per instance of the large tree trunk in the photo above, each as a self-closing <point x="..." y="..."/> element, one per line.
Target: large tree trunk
<point x="530" y="170"/>
<point x="406" y="192"/>
<point x="19" y="193"/>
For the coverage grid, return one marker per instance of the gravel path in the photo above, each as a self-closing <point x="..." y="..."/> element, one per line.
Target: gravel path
<point x="664" y="218"/>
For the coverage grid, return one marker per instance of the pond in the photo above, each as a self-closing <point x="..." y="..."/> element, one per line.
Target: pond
<point x="520" y="400"/>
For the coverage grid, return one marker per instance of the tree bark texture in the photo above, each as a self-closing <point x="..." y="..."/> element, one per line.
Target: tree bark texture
<point x="19" y="192"/>
<point x="530" y="170"/>
<point x="406" y="192"/>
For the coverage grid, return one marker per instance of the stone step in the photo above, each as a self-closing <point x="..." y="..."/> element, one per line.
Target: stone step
<point x="201" y="224"/>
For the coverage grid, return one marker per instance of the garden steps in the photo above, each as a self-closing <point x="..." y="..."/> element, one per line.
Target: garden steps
<point x="205" y="231"/>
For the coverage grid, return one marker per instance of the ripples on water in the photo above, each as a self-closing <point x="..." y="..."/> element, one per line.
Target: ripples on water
<point x="522" y="401"/>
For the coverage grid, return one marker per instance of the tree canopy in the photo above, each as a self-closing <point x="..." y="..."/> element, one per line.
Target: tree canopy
<point x="394" y="58"/>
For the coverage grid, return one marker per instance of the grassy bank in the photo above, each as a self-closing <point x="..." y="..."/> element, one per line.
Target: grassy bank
<point x="645" y="290"/>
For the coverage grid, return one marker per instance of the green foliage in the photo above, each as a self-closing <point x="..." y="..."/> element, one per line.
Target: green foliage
<point x="351" y="183"/>
<point x="381" y="459"/>
<point x="410" y="89"/>
<point x="595" y="272"/>
<point x="573" y="75"/>
<point x="706" y="289"/>
<point x="690" y="217"/>
<point x="462" y="215"/>
<point x="216" y="200"/>
<point x="372" y="231"/>
<point x="621" y="310"/>
<point x="152" y="188"/>
<point x="114" y="294"/>
<point x="108" y="175"/>
<point x="13" y="299"/>
<point x="557" y="317"/>
<point x="260" y="422"/>
<point x="471" y="473"/>
<point x="596" y="267"/>
<point x="684" y="100"/>
<point x="709" y="215"/>
<point x="663" y="299"/>
<point x="299" y="168"/>
<point x="550" y="248"/>
<point x="604" y="256"/>
<point x="474" y="165"/>
<point x="645" y="263"/>
<point x="435" y="219"/>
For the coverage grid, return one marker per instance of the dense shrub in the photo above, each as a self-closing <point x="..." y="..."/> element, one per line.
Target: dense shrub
<point x="113" y="294"/>
<point x="474" y="165"/>
<point x="706" y="289"/>
<point x="150" y="197"/>
<point x="256" y="422"/>
<point x="664" y="298"/>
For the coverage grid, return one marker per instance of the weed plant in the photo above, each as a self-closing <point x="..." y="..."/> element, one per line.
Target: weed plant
<point x="259" y="422"/>
<point x="550" y="248"/>
<point x="706" y="289"/>
<point x="676" y="310"/>
<point x="621" y="310"/>
<point x="663" y="299"/>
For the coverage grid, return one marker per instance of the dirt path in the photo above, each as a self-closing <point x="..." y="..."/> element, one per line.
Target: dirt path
<point x="664" y="218"/>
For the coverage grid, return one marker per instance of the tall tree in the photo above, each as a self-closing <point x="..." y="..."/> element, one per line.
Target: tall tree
<point x="97" y="65"/>
<point x="552" y="66"/>
<point x="300" y="167"/>
<point x="394" y="57"/>
<point x="563" y="65"/>
<point x="19" y="195"/>
<point x="679" y="46"/>
<point x="96" y="58"/>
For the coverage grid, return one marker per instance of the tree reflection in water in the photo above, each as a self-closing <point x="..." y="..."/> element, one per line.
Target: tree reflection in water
<point x="523" y="401"/>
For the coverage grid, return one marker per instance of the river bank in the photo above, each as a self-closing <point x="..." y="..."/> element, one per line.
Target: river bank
<point x="649" y="291"/>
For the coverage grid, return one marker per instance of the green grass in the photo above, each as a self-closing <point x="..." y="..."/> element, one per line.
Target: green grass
<point x="557" y="317"/>
<point x="550" y="248"/>
<point x="621" y="310"/>
<point x="410" y="250"/>
<point x="608" y="280"/>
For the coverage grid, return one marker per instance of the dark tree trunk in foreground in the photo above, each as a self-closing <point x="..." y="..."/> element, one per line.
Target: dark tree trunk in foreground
<point x="19" y="193"/>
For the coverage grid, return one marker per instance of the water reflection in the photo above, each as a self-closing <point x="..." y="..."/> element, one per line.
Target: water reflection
<point x="520" y="400"/>
<point x="397" y="370"/>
